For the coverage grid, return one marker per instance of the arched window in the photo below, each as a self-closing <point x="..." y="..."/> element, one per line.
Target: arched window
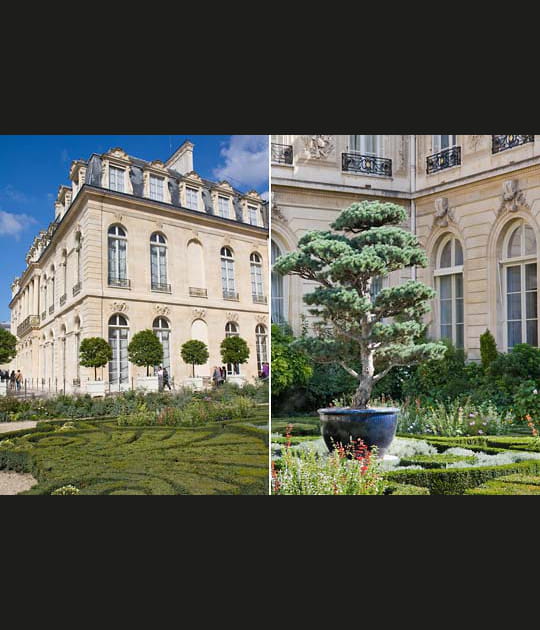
<point x="227" y="274"/>
<point x="520" y="285"/>
<point x="231" y="330"/>
<point x="53" y="290"/>
<point x="262" y="346"/>
<point x="449" y="276"/>
<point x="158" y="262"/>
<point x="196" y="272"/>
<point x="257" y="287"/>
<point x="163" y="332"/>
<point x="278" y="295"/>
<point x="78" y="246"/>
<point x="77" y="328"/>
<point x="117" y="257"/>
<point x="199" y="331"/>
<point x="118" y="340"/>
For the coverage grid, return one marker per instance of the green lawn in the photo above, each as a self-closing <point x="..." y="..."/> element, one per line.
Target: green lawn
<point x="98" y="457"/>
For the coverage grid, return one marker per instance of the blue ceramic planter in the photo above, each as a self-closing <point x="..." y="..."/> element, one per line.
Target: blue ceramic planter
<point x="375" y="427"/>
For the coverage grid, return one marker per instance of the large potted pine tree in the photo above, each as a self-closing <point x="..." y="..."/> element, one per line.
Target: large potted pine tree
<point x="366" y="334"/>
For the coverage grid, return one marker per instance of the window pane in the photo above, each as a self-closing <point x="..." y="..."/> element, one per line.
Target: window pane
<point x="514" y="333"/>
<point x="531" y="299"/>
<point x="446" y="256"/>
<point x="513" y="279"/>
<point x="532" y="332"/>
<point x="445" y="287"/>
<point x="446" y="332"/>
<point x="530" y="241"/>
<point x="514" y="245"/>
<point x="531" y="281"/>
<point x="459" y="285"/>
<point x="514" y="306"/>
<point x="459" y="311"/>
<point x="446" y="312"/>
<point x="460" y="336"/>
<point x="459" y="253"/>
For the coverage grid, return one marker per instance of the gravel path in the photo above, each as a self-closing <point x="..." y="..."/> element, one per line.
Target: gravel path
<point x="6" y="427"/>
<point x="12" y="482"/>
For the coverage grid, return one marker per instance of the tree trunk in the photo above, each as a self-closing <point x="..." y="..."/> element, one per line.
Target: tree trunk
<point x="147" y="370"/>
<point x="193" y="368"/>
<point x="95" y="373"/>
<point x="363" y="393"/>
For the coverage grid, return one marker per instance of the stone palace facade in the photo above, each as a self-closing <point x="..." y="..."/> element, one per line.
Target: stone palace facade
<point x="142" y="245"/>
<point x="473" y="201"/>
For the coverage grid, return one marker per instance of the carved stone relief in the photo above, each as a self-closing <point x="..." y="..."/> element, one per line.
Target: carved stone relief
<point x="320" y="147"/>
<point x="159" y="309"/>
<point x="199" y="313"/>
<point x="119" y="307"/>
<point x="443" y="213"/>
<point x="513" y="199"/>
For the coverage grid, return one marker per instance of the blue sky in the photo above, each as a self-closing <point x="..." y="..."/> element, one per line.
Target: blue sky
<point x="33" y="167"/>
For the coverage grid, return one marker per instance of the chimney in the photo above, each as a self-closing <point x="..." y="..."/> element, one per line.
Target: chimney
<point x="182" y="160"/>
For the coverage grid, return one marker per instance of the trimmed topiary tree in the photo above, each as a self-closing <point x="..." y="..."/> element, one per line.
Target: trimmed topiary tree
<point x="145" y="349"/>
<point x="488" y="349"/>
<point x="194" y="353"/>
<point x="95" y="352"/>
<point x="352" y="323"/>
<point x="8" y="346"/>
<point x="234" y="350"/>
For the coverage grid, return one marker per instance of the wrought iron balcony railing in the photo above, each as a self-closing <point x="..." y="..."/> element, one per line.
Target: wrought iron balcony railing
<point x="63" y="299"/>
<point x="368" y="164"/>
<point x="162" y="287"/>
<point x="196" y="292"/>
<point x="51" y="309"/>
<point x="282" y="153"/>
<point x="502" y="143"/>
<point x="444" y="159"/>
<point x="30" y="323"/>
<point x="76" y="289"/>
<point x="230" y="295"/>
<point x="123" y="283"/>
<point x="259" y="299"/>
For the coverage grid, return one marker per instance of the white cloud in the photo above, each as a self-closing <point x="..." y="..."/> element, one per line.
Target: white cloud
<point x="13" y="224"/>
<point x="246" y="161"/>
<point x="11" y="193"/>
<point x="64" y="156"/>
<point x="266" y="195"/>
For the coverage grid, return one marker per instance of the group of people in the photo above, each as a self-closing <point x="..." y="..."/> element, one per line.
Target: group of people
<point x="14" y="380"/>
<point x="219" y="374"/>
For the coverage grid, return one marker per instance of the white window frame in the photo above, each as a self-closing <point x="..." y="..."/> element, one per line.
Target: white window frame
<point x="117" y="238"/>
<point x="154" y="183"/>
<point x="159" y="245"/>
<point x="159" y="331"/>
<point x="284" y="281"/>
<point x="232" y="369"/>
<point x="222" y="198"/>
<point x="361" y="145"/>
<point x="437" y="142"/>
<point x="519" y="261"/>
<point x="261" y="349"/>
<point x="113" y="167"/>
<point x="253" y="215"/>
<point x="257" y="282"/>
<point x="228" y="282"/>
<point x="118" y="327"/>
<point x="453" y="271"/>
<point x="191" y="190"/>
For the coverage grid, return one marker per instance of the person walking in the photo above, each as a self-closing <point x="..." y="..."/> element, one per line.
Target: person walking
<point x="223" y="370"/>
<point x="265" y="372"/>
<point x="12" y="378"/>
<point x="216" y="375"/>
<point x="166" y="379"/>
<point x="19" y="380"/>
<point x="160" y="378"/>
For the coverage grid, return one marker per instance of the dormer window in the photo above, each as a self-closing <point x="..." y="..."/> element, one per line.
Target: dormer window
<point x="156" y="188"/>
<point x="192" y="198"/>
<point x="253" y="215"/>
<point x="116" y="178"/>
<point x="223" y="207"/>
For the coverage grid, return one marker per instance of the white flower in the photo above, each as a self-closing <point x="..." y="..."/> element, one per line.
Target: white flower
<point x="535" y="392"/>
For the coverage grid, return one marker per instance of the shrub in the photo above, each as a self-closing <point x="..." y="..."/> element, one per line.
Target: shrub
<point x="95" y="352"/>
<point x="509" y="370"/>
<point x="145" y="349"/>
<point x="488" y="349"/>
<point x="526" y="401"/>
<point x="290" y="366"/>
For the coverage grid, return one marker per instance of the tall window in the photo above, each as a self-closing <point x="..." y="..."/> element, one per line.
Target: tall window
<point x="163" y="333"/>
<point x="116" y="178"/>
<point x="231" y="330"/>
<point x="257" y="289"/>
<point x="227" y="273"/>
<point x="53" y="287"/>
<point x="117" y="256"/>
<point x="367" y="145"/>
<point x="376" y="287"/>
<point x="440" y="143"/>
<point x="253" y="215"/>
<point x="449" y="274"/>
<point x="158" y="262"/>
<point x="223" y="207"/>
<point x="118" y="340"/>
<point x="520" y="278"/>
<point x="262" y="347"/>
<point x="156" y="188"/>
<point x="45" y="301"/>
<point x="192" y="198"/>
<point x="278" y="300"/>
<point x="79" y="259"/>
